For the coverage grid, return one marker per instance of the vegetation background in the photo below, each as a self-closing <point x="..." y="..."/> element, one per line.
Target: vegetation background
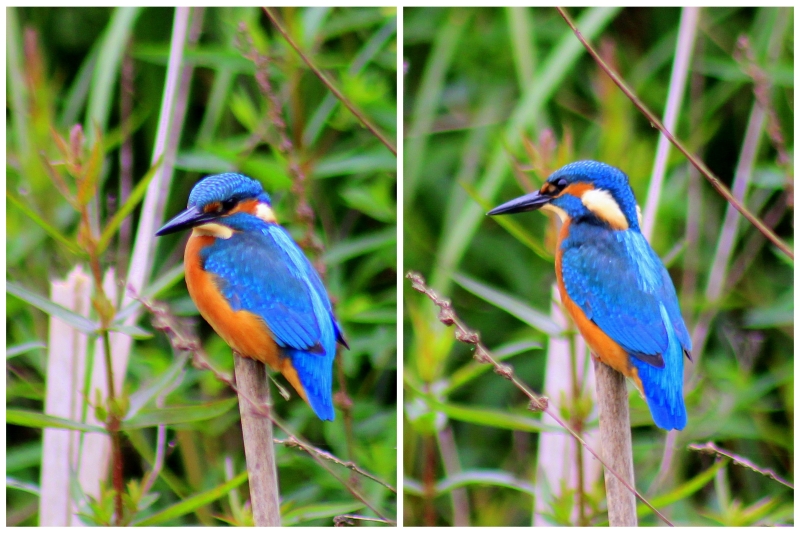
<point x="71" y="66"/>
<point x="494" y="100"/>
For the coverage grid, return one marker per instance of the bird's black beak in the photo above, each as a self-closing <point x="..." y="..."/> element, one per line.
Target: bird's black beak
<point x="188" y="218"/>
<point x="529" y="202"/>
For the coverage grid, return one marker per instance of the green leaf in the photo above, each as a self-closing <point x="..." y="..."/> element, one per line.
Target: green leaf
<point x="470" y="478"/>
<point x="30" y="488"/>
<point x="24" y="456"/>
<point x="244" y="110"/>
<point x="179" y="415"/>
<point x="79" y="322"/>
<point x="346" y="250"/>
<point x="19" y="349"/>
<point x="374" y="198"/>
<point x="167" y="379"/>
<point x="112" y="47"/>
<point x="529" y="315"/>
<point x="353" y="162"/>
<point x="35" y="419"/>
<point x="194" y="503"/>
<point x="127" y="208"/>
<point x="42" y="223"/>
<point x="131" y="330"/>
<point x="269" y="171"/>
<point x="203" y="161"/>
<point x="315" y="512"/>
<point x="164" y="282"/>
<point x="683" y="491"/>
<point x="488" y="417"/>
<point x="509" y="224"/>
<point x="204" y="56"/>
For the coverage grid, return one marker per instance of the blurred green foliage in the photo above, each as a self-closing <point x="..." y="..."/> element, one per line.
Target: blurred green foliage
<point x="495" y="100"/>
<point x="65" y="68"/>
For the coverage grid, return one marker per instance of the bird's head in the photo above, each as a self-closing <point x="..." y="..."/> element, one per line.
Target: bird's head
<point x="214" y="202"/>
<point x="582" y="189"/>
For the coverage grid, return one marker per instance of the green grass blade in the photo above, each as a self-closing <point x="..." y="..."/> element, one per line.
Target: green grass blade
<point x="315" y="512"/>
<point x="351" y="248"/>
<point x="179" y="415"/>
<point x="75" y="320"/>
<point x="194" y="503"/>
<point x="112" y="47"/>
<point x="430" y="91"/>
<point x="34" y="419"/>
<point x="42" y="223"/>
<point x="482" y="478"/>
<point x="529" y="315"/>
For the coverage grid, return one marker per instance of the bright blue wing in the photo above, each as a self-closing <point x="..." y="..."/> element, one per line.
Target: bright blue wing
<point x="619" y="282"/>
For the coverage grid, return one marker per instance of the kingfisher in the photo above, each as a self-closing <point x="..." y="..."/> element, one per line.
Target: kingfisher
<point x="255" y="286"/>
<point x="612" y="283"/>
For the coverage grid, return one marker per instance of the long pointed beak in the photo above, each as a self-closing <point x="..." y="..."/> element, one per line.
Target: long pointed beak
<point x="529" y="202"/>
<point x="188" y="218"/>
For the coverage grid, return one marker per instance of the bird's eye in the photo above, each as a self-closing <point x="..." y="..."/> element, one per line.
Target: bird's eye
<point x="228" y="204"/>
<point x="561" y="183"/>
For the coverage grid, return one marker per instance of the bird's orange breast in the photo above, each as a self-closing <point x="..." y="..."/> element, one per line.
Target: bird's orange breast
<point x="245" y="332"/>
<point x="602" y="346"/>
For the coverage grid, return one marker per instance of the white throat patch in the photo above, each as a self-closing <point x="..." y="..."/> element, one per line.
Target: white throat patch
<point x="557" y="210"/>
<point x="601" y="203"/>
<point x="265" y="213"/>
<point x="217" y="231"/>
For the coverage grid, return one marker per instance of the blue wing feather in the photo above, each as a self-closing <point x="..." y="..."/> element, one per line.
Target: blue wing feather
<point x="260" y="269"/>
<point x="255" y="275"/>
<point x="619" y="283"/>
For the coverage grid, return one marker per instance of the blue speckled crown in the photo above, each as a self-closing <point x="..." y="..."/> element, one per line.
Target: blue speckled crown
<point x="220" y="187"/>
<point x="603" y="176"/>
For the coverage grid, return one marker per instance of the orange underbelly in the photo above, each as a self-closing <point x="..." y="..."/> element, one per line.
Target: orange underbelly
<point x="246" y="333"/>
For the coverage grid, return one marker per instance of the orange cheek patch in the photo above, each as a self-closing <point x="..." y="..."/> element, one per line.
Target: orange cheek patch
<point x="248" y="206"/>
<point x="577" y="189"/>
<point x="243" y="331"/>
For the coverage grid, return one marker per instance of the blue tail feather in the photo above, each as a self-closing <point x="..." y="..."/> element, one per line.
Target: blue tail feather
<point x="316" y="373"/>
<point x="663" y="387"/>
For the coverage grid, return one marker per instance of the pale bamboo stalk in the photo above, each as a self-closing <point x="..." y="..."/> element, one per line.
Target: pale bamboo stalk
<point x="259" y="448"/>
<point x="66" y="362"/>
<point x="677" y="88"/>
<point x="615" y="438"/>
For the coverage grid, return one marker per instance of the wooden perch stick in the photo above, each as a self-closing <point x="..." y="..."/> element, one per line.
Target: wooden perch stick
<point x="615" y="436"/>
<point x="259" y="449"/>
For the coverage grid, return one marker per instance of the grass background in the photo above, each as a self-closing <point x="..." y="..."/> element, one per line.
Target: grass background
<point x="105" y="69"/>
<point x="495" y="100"/>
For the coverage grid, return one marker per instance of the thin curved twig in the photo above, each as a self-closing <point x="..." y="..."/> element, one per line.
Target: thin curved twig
<point x="325" y="81"/>
<point x="710" y="447"/>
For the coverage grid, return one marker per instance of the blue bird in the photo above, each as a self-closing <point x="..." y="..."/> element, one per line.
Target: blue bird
<point x="613" y="284"/>
<point x="255" y="286"/>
